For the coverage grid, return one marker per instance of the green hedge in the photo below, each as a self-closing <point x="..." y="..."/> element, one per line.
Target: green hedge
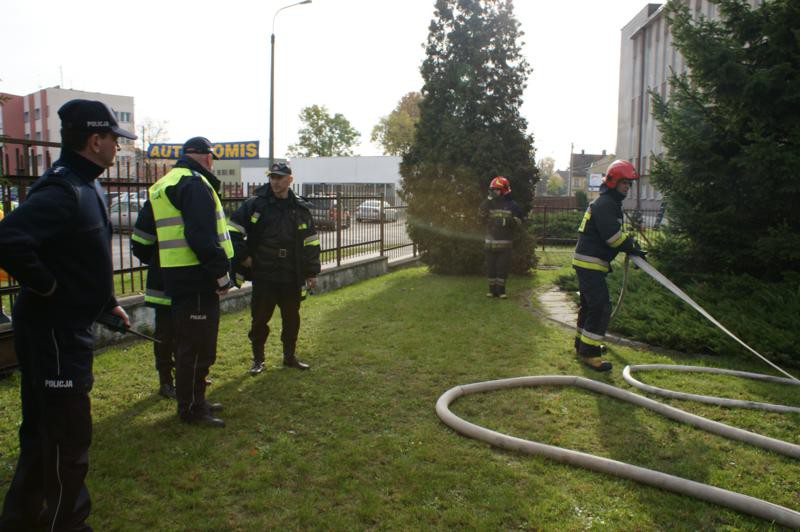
<point x="763" y="314"/>
<point x="559" y="224"/>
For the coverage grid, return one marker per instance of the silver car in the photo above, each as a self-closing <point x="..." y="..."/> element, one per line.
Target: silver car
<point x="370" y="211"/>
<point x="123" y="214"/>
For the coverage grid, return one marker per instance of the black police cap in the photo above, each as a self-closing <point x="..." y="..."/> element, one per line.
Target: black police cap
<point x="279" y="169"/>
<point x="91" y="115"/>
<point x="199" y="145"/>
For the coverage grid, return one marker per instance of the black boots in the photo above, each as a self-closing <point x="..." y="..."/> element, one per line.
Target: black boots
<point x="290" y="361"/>
<point x="257" y="367"/>
<point x="258" y="360"/>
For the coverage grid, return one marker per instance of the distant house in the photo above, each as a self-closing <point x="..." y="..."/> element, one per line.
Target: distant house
<point x="579" y="164"/>
<point x="595" y="173"/>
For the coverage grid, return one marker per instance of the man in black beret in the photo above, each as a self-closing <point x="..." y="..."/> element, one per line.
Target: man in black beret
<point x="274" y="234"/>
<point x="57" y="244"/>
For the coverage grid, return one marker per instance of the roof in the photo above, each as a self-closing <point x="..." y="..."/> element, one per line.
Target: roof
<point x="580" y="162"/>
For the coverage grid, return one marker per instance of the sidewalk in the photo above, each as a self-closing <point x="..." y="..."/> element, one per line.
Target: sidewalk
<point x="558" y="306"/>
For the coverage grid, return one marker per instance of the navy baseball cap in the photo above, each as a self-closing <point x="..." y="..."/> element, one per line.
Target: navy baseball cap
<point x="91" y="115"/>
<point x="199" y="145"/>
<point x="279" y="169"/>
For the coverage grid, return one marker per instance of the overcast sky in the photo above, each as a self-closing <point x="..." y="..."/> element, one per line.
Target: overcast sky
<point x="203" y="66"/>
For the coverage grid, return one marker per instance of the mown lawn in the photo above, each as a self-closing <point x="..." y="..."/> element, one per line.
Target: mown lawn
<point x="355" y="443"/>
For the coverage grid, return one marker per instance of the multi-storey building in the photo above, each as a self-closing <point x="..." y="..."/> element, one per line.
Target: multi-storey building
<point x="647" y="60"/>
<point x="35" y="117"/>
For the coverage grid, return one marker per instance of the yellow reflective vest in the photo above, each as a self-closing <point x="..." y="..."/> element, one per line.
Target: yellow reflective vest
<point x="173" y="250"/>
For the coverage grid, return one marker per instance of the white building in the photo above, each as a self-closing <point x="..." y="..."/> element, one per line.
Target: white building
<point x="327" y="175"/>
<point x="647" y="58"/>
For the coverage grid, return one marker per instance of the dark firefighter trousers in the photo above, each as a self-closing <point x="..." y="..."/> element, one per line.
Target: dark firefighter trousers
<point x="48" y="489"/>
<point x="266" y="295"/>
<point x="594" y="312"/>
<point x="498" y="264"/>
<point x="195" y="318"/>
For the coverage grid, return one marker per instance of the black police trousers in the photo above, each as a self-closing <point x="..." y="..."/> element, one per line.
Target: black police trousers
<point x="195" y="319"/>
<point x="594" y="312"/>
<point x="165" y="351"/>
<point x="266" y="295"/>
<point x="48" y="489"/>
<point x="498" y="264"/>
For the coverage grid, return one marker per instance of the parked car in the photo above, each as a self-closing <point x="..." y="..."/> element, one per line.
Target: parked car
<point x="123" y="214"/>
<point x="370" y="211"/>
<point x="324" y="211"/>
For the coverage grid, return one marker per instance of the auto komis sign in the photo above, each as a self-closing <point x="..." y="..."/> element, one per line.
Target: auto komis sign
<point x="223" y="150"/>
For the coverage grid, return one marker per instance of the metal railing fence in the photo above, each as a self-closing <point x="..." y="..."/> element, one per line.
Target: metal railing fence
<point x="351" y="225"/>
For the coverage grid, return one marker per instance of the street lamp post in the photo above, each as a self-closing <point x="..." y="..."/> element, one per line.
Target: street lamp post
<point x="272" y="83"/>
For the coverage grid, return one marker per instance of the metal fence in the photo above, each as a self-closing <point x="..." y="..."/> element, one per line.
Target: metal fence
<point x="351" y="225"/>
<point x="556" y="228"/>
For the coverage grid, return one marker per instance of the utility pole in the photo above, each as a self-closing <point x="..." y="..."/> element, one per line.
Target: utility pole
<point x="569" y="179"/>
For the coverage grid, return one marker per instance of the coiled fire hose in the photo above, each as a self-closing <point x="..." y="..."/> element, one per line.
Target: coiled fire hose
<point x="736" y="501"/>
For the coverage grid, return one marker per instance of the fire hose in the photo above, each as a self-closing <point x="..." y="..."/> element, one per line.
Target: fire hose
<point x="736" y="501"/>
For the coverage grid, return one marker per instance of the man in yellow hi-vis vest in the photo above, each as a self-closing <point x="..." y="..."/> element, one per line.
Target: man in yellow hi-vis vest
<point x="194" y="251"/>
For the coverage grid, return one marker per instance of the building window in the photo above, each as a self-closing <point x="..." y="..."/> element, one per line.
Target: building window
<point x="37" y="114"/>
<point x="27" y="136"/>
<point x="25" y="116"/>
<point x="38" y="135"/>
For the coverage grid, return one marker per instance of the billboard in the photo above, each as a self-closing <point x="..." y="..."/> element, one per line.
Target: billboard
<point x="595" y="180"/>
<point x="223" y="150"/>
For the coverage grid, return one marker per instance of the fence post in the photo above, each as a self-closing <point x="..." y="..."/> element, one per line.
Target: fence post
<point x="544" y="228"/>
<point x="380" y="221"/>
<point x="338" y="228"/>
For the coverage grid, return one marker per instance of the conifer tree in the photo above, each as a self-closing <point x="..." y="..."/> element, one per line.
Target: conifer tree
<point x="470" y="130"/>
<point x="732" y="136"/>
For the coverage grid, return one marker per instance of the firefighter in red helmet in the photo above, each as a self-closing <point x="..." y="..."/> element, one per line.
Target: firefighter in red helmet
<point x="600" y="239"/>
<point x="501" y="214"/>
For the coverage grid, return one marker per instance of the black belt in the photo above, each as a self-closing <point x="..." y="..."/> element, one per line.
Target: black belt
<point x="279" y="253"/>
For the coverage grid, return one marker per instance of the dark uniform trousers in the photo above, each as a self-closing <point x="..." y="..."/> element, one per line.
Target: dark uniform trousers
<point x="164" y="351"/>
<point x="266" y="295"/>
<point x="595" y="310"/>
<point x="48" y="489"/>
<point x="498" y="264"/>
<point x="195" y="320"/>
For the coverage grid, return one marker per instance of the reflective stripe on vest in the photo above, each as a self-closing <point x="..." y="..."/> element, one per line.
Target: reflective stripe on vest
<point x="173" y="250"/>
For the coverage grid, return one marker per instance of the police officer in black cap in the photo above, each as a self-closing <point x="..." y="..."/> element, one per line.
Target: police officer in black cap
<point x="57" y="244"/>
<point x="185" y="220"/>
<point x="275" y="234"/>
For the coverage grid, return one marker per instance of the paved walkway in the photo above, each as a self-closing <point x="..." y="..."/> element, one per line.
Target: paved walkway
<point x="558" y="306"/>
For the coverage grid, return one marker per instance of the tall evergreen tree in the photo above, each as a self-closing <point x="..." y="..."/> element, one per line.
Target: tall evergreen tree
<point x="470" y="130"/>
<point x="732" y="135"/>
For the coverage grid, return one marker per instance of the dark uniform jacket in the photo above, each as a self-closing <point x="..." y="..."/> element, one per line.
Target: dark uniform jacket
<point x="57" y="244"/>
<point x="148" y="254"/>
<point x="600" y="235"/>
<point x="279" y="235"/>
<point x="192" y="197"/>
<point x="501" y="214"/>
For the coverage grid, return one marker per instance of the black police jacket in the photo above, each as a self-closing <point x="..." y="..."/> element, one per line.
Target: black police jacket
<point x="57" y="244"/>
<point x="147" y="253"/>
<point x="249" y="225"/>
<point x="192" y="197"/>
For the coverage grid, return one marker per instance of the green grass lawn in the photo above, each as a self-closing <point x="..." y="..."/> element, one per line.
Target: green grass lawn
<point x="355" y="443"/>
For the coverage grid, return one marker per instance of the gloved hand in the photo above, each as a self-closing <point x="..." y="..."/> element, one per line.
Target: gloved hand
<point x="638" y="251"/>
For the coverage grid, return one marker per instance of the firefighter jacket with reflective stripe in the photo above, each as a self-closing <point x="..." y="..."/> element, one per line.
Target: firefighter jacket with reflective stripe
<point x="261" y="228"/>
<point x="187" y="219"/>
<point x="144" y="247"/>
<point x="57" y="244"/>
<point x="501" y="214"/>
<point x="600" y="234"/>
